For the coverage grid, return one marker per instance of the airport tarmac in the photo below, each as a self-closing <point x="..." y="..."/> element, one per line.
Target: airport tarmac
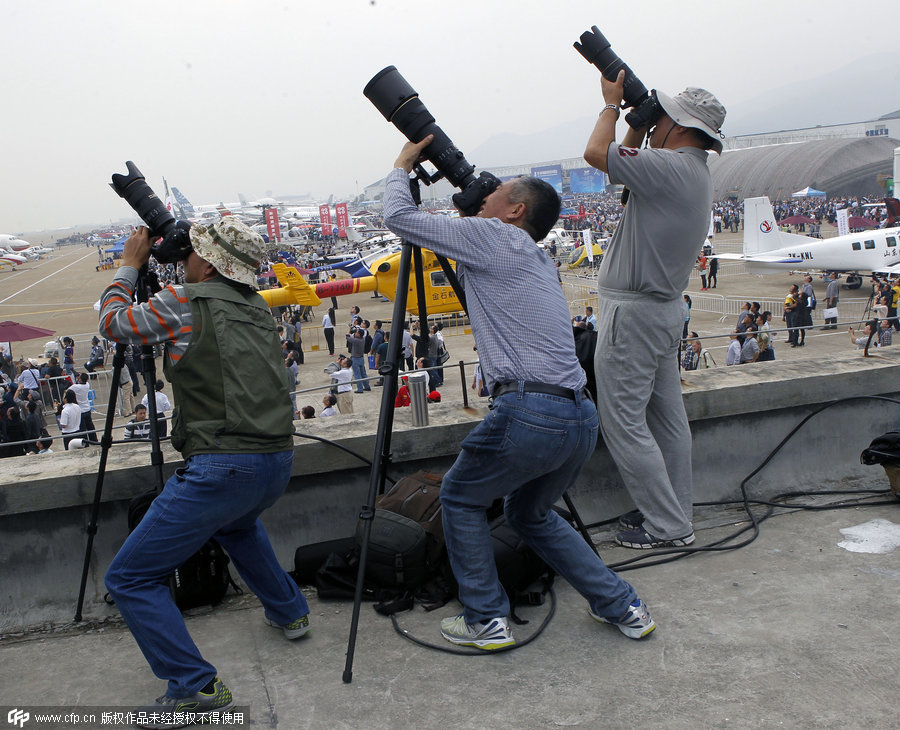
<point x="59" y="293"/>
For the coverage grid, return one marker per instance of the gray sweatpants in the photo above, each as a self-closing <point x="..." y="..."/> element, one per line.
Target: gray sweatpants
<point x="641" y="410"/>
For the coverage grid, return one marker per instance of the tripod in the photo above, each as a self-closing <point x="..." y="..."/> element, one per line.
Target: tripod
<point x="146" y="284"/>
<point x="389" y="371"/>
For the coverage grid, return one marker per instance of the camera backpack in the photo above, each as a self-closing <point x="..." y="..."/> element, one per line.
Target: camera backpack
<point x="406" y="545"/>
<point x="397" y="551"/>
<point x="407" y="556"/>
<point x="885" y="450"/>
<point x="203" y="579"/>
<point x="418" y="498"/>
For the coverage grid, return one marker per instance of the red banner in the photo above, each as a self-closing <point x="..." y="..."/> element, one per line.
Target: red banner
<point x="581" y="211"/>
<point x="325" y="219"/>
<point x="343" y="219"/>
<point x="272" y="226"/>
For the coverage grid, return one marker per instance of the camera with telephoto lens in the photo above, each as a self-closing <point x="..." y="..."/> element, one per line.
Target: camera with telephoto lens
<point x="645" y="109"/>
<point x="399" y="103"/>
<point x="176" y="240"/>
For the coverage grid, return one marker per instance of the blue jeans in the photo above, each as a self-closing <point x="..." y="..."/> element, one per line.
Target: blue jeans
<point x="359" y="373"/>
<point x="435" y="377"/>
<point x="215" y="495"/>
<point x="529" y="449"/>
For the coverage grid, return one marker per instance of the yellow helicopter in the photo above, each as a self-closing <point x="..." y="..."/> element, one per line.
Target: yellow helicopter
<point x="439" y="295"/>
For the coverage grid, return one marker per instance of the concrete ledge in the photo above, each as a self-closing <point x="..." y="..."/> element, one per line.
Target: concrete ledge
<point x="759" y="387"/>
<point x="737" y="417"/>
<point x="69" y="478"/>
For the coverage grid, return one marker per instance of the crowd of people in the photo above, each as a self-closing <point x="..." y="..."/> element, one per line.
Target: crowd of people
<point x="28" y="386"/>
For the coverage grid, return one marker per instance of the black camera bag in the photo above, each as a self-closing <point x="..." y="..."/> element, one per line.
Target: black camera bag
<point x="397" y="556"/>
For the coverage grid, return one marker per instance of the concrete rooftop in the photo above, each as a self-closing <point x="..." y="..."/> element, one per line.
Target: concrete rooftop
<point x="791" y="631"/>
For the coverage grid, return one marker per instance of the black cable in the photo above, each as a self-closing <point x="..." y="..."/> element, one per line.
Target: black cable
<point x="475" y="652"/>
<point x="342" y="448"/>
<point x="660" y="557"/>
<point x="672" y="554"/>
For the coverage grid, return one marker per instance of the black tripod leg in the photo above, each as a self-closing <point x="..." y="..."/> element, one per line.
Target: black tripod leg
<point x="105" y="444"/>
<point x="148" y="370"/>
<point x="389" y="371"/>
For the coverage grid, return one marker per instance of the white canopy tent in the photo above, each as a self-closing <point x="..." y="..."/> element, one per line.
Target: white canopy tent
<point x="808" y="192"/>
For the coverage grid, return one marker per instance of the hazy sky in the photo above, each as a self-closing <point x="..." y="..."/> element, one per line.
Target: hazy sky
<point x="250" y="96"/>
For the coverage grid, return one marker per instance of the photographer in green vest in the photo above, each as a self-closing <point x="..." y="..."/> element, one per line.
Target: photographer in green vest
<point x="232" y="423"/>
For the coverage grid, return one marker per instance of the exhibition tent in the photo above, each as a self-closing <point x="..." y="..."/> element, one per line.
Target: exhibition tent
<point x="808" y="192"/>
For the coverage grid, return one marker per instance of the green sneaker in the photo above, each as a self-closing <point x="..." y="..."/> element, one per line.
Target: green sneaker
<point x="295" y="629"/>
<point x="169" y="712"/>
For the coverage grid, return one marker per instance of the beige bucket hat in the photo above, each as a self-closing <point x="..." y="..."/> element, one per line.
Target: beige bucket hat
<point x="696" y="108"/>
<point x="232" y="247"/>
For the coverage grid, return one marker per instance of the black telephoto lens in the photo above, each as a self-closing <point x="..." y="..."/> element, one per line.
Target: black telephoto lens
<point x="399" y="103"/>
<point x="176" y="241"/>
<point x="598" y="51"/>
<point x="140" y="196"/>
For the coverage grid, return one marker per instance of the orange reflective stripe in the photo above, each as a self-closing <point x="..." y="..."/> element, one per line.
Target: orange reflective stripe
<point x="171" y="290"/>
<point x="170" y="334"/>
<point x="106" y="325"/>
<point x="134" y="328"/>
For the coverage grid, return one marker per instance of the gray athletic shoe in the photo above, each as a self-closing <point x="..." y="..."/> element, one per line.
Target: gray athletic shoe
<point x="635" y="624"/>
<point x="643" y="540"/>
<point x="488" y="635"/>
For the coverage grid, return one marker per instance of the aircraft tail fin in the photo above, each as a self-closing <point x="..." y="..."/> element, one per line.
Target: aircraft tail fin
<point x="242" y="200"/>
<point x="186" y="207"/>
<point x="294" y="289"/>
<point x="760" y="229"/>
<point x="761" y="232"/>
<point x="893" y="210"/>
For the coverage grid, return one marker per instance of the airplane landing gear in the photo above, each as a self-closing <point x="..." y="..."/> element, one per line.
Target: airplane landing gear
<point x="854" y="281"/>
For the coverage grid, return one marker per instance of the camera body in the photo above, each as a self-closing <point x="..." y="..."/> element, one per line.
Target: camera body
<point x="645" y="107"/>
<point x="399" y="103"/>
<point x="176" y="241"/>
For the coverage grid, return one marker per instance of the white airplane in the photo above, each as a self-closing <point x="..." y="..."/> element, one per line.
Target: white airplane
<point x="767" y="249"/>
<point x="10" y="244"/>
<point x="11" y="259"/>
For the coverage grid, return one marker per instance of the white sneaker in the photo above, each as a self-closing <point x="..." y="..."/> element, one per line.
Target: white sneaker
<point x="487" y="635"/>
<point x="635" y="624"/>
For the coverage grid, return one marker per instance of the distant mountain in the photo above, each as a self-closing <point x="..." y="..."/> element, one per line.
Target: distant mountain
<point x="564" y="140"/>
<point x="858" y="92"/>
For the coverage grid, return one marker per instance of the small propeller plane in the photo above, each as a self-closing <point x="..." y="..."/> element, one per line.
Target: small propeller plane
<point x="767" y="249"/>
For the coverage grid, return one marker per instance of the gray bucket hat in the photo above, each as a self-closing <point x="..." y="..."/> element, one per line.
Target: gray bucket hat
<point x="696" y="108"/>
<point x="232" y="247"/>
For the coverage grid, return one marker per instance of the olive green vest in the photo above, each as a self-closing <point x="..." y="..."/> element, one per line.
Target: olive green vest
<point x="229" y="386"/>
